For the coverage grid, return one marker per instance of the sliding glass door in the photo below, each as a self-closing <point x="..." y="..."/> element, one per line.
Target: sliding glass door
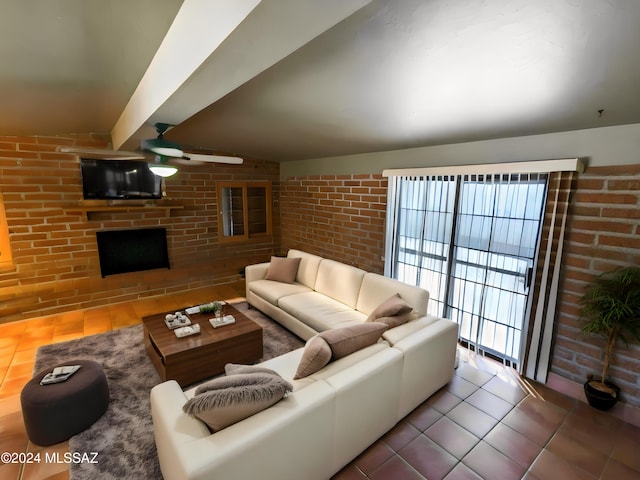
<point x="424" y="229"/>
<point x="472" y="241"/>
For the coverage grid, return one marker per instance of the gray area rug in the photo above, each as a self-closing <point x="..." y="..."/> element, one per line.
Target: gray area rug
<point x="123" y="436"/>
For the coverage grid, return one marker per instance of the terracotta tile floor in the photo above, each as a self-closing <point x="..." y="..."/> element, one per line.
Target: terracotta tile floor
<point x="484" y="425"/>
<point x="481" y="426"/>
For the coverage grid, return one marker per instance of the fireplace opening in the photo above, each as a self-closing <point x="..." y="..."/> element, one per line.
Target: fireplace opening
<point x="123" y="251"/>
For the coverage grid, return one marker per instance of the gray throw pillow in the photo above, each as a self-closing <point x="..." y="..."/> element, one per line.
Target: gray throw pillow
<point x="316" y="355"/>
<point x="396" y="320"/>
<point x="236" y="368"/>
<point x="346" y="340"/>
<point x="227" y="400"/>
<point x="393" y="306"/>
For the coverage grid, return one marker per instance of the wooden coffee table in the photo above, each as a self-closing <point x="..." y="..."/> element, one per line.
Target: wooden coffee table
<point x="198" y="357"/>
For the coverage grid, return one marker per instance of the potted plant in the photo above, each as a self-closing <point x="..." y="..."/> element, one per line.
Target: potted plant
<point x="212" y="307"/>
<point x="610" y="307"/>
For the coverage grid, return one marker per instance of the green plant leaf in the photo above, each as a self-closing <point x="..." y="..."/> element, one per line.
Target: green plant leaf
<point x="610" y="307"/>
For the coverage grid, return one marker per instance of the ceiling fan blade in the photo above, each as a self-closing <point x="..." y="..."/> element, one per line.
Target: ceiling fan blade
<point x="199" y="157"/>
<point x="103" y="153"/>
<point x="174" y="152"/>
<point x="159" y="146"/>
<point x="184" y="161"/>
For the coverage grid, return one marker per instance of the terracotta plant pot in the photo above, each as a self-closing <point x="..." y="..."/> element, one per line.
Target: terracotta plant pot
<point x="600" y="399"/>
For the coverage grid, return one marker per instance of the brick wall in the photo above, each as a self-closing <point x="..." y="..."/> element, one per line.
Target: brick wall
<point x="603" y="234"/>
<point x="54" y="246"/>
<point x="343" y="217"/>
<point x="336" y="216"/>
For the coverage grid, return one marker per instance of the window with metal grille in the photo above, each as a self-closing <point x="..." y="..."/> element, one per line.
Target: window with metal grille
<point x="471" y="240"/>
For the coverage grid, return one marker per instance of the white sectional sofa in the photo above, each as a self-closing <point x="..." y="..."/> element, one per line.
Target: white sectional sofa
<point x="332" y="415"/>
<point x="326" y="294"/>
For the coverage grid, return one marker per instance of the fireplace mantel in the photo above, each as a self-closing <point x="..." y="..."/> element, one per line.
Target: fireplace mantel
<point x="88" y="206"/>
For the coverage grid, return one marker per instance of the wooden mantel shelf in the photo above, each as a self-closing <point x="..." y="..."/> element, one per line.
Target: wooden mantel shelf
<point x="87" y="206"/>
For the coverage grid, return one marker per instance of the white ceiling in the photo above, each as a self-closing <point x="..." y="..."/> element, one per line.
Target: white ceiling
<point x="394" y="74"/>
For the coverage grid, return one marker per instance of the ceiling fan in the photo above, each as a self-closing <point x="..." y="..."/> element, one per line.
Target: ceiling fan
<point x="165" y="153"/>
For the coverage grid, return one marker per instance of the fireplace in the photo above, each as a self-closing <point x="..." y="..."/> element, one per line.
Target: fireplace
<point x="135" y="250"/>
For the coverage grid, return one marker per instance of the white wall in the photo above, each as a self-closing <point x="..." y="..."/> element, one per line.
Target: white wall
<point x="597" y="147"/>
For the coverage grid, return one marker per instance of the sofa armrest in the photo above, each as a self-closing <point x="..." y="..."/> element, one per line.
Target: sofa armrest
<point x="256" y="272"/>
<point x="172" y="427"/>
<point x="367" y="403"/>
<point x="295" y="435"/>
<point x="429" y="361"/>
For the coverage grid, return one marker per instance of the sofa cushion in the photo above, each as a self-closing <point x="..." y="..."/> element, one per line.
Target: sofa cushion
<point x="273" y="291"/>
<point x="283" y="269"/>
<point x="224" y="401"/>
<point x="346" y="340"/>
<point x="317" y="354"/>
<point x="308" y="269"/>
<point x="286" y="365"/>
<point x="319" y="311"/>
<point x="378" y="287"/>
<point x="339" y="281"/>
<point x="395" y="334"/>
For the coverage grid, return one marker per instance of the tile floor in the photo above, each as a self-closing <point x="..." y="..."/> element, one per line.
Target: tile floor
<point x="486" y="424"/>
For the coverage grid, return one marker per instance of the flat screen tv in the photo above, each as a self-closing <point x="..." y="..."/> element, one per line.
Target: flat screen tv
<point x="135" y="250"/>
<point x="119" y="179"/>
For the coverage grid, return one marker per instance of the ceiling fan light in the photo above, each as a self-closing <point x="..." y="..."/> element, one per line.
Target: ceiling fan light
<point x="162" y="170"/>
<point x="163" y="147"/>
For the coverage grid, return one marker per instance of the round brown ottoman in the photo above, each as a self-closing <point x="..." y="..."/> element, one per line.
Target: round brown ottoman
<point x="54" y="413"/>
